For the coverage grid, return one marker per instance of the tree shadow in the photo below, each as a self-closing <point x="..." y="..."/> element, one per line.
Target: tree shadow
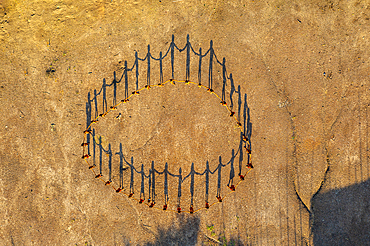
<point x="187" y="234"/>
<point x="342" y="216"/>
<point x="233" y="241"/>
<point x="184" y="234"/>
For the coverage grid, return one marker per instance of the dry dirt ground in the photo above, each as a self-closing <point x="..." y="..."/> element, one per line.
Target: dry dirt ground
<point x="304" y="66"/>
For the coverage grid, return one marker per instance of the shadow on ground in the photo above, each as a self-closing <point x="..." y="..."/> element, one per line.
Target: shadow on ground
<point x="186" y="231"/>
<point x="184" y="234"/>
<point x="342" y="216"/>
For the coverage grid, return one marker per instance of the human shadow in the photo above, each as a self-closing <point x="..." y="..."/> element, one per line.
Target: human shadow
<point x="100" y="102"/>
<point x="342" y="216"/>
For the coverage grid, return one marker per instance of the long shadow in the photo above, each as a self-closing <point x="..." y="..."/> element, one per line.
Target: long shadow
<point x="342" y="216"/>
<point x="99" y="101"/>
<point x="186" y="234"/>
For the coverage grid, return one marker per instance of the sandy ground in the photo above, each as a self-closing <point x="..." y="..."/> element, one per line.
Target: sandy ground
<point x="303" y="64"/>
